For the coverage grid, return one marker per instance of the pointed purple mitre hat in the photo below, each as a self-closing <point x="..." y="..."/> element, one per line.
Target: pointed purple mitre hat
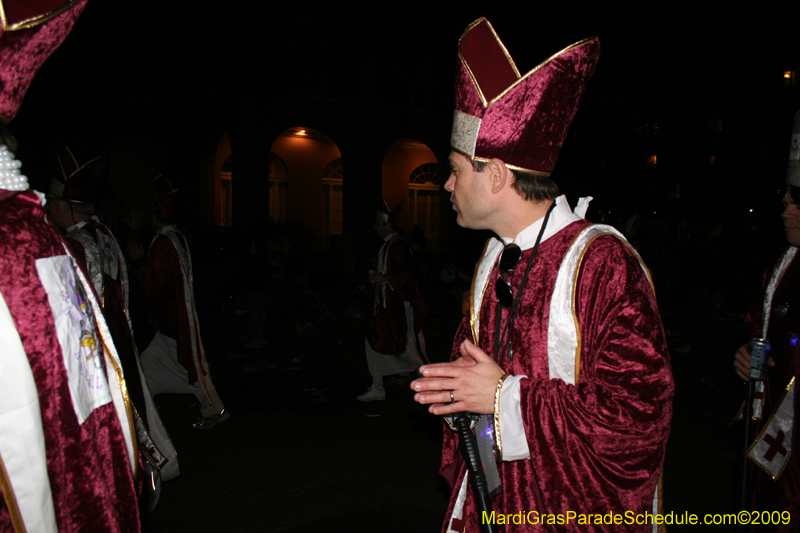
<point x="521" y="120"/>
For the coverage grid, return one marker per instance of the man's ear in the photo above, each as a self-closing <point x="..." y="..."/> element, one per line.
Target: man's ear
<point x="499" y="175"/>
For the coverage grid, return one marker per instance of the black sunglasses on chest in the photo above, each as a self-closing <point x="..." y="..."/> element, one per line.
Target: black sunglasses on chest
<point x="508" y="261"/>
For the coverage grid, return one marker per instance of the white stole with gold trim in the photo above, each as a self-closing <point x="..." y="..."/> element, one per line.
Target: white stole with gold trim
<point x="773" y="446"/>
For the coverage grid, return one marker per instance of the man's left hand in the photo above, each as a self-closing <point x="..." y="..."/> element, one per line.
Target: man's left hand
<point x="376" y="278"/>
<point x="472" y="379"/>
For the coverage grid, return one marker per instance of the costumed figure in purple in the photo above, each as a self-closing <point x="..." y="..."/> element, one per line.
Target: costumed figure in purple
<point x="174" y="361"/>
<point x="71" y="205"/>
<point x="561" y="361"/>
<point x="775" y="316"/>
<point x="68" y="453"/>
<point x="394" y="341"/>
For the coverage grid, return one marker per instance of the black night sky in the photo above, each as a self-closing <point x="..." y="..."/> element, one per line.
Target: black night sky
<point x="683" y="83"/>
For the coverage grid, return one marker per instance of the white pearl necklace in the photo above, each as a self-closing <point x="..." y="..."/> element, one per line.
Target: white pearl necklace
<point x="10" y="177"/>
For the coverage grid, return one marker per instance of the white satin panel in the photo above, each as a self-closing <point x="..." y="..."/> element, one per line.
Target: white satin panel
<point x="22" y="446"/>
<point x="80" y="345"/>
<point x="562" y="331"/>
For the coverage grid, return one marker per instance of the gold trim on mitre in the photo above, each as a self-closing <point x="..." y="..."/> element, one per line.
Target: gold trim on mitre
<point x="540" y="65"/>
<point x="502" y="47"/>
<point x="473" y="158"/>
<point x="514" y="167"/>
<point x="33" y="21"/>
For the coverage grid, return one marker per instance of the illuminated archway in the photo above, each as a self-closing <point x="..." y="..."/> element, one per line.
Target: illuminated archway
<point x="312" y="186"/>
<point x="425" y="203"/>
<point x="411" y="173"/>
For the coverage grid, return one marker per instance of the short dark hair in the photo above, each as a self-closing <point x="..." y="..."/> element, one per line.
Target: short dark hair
<point x="794" y="193"/>
<point x="526" y="184"/>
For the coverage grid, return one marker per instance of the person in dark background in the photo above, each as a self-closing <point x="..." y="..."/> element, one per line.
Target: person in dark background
<point x="563" y="352"/>
<point x="775" y="316"/>
<point x="174" y="362"/>
<point x="397" y="310"/>
<point x="70" y="204"/>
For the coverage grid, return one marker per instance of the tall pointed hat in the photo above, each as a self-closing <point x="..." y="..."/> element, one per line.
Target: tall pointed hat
<point x="166" y="203"/>
<point x="74" y="182"/>
<point x="385" y="214"/>
<point x="521" y="120"/>
<point x="29" y="32"/>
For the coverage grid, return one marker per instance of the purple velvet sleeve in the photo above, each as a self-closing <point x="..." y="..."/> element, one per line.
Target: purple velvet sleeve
<point x="606" y="435"/>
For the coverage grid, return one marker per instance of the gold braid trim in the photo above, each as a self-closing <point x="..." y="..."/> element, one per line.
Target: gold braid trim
<point x="11" y="500"/>
<point x="498" y="454"/>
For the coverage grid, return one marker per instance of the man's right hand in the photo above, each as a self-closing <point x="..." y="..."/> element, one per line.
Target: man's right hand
<point x="741" y="362"/>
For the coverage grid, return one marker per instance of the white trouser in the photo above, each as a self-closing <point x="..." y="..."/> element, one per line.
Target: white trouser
<point x="380" y="364"/>
<point x="165" y="375"/>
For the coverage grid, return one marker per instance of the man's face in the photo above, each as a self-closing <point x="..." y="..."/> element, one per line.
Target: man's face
<point x="469" y="193"/>
<point x="382" y="229"/>
<point x="59" y="211"/>
<point x="791" y="219"/>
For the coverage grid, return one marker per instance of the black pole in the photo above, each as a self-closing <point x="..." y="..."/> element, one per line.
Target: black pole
<point x="747" y="415"/>
<point x="469" y="449"/>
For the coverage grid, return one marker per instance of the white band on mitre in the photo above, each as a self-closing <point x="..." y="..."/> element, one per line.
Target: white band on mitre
<point x="10" y="177"/>
<point x="465" y="133"/>
<point x="56" y="188"/>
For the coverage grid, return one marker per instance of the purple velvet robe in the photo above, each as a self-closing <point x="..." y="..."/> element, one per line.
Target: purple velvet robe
<point x="387" y="329"/>
<point x="596" y="446"/>
<point x="784" y="329"/>
<point x="161" y="279"/>
<point x="90" y="474"/>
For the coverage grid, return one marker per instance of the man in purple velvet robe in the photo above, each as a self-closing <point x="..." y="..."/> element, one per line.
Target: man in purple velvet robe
<point x="775" y="315"/>
<point x="562" y="355"/>
<point x="174" y="361"/>
<point x="397" y="312"/>
<point x="68" y="458"/>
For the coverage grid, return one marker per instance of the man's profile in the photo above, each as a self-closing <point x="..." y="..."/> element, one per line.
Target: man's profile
<point x="562" y="353"/>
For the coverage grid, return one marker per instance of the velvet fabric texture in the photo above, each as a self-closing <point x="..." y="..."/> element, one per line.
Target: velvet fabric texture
<point x="161" y="280"/>
<point x="784" y="330"/>
<point x="22" y="52"/>
<point x="90" y="474"/>
<point x="388" y="331"/>
<point x="596" y="446"/>
<point x="524" y="119"/>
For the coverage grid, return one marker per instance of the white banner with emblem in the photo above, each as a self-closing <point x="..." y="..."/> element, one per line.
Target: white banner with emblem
<point x="773" y="447"/>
